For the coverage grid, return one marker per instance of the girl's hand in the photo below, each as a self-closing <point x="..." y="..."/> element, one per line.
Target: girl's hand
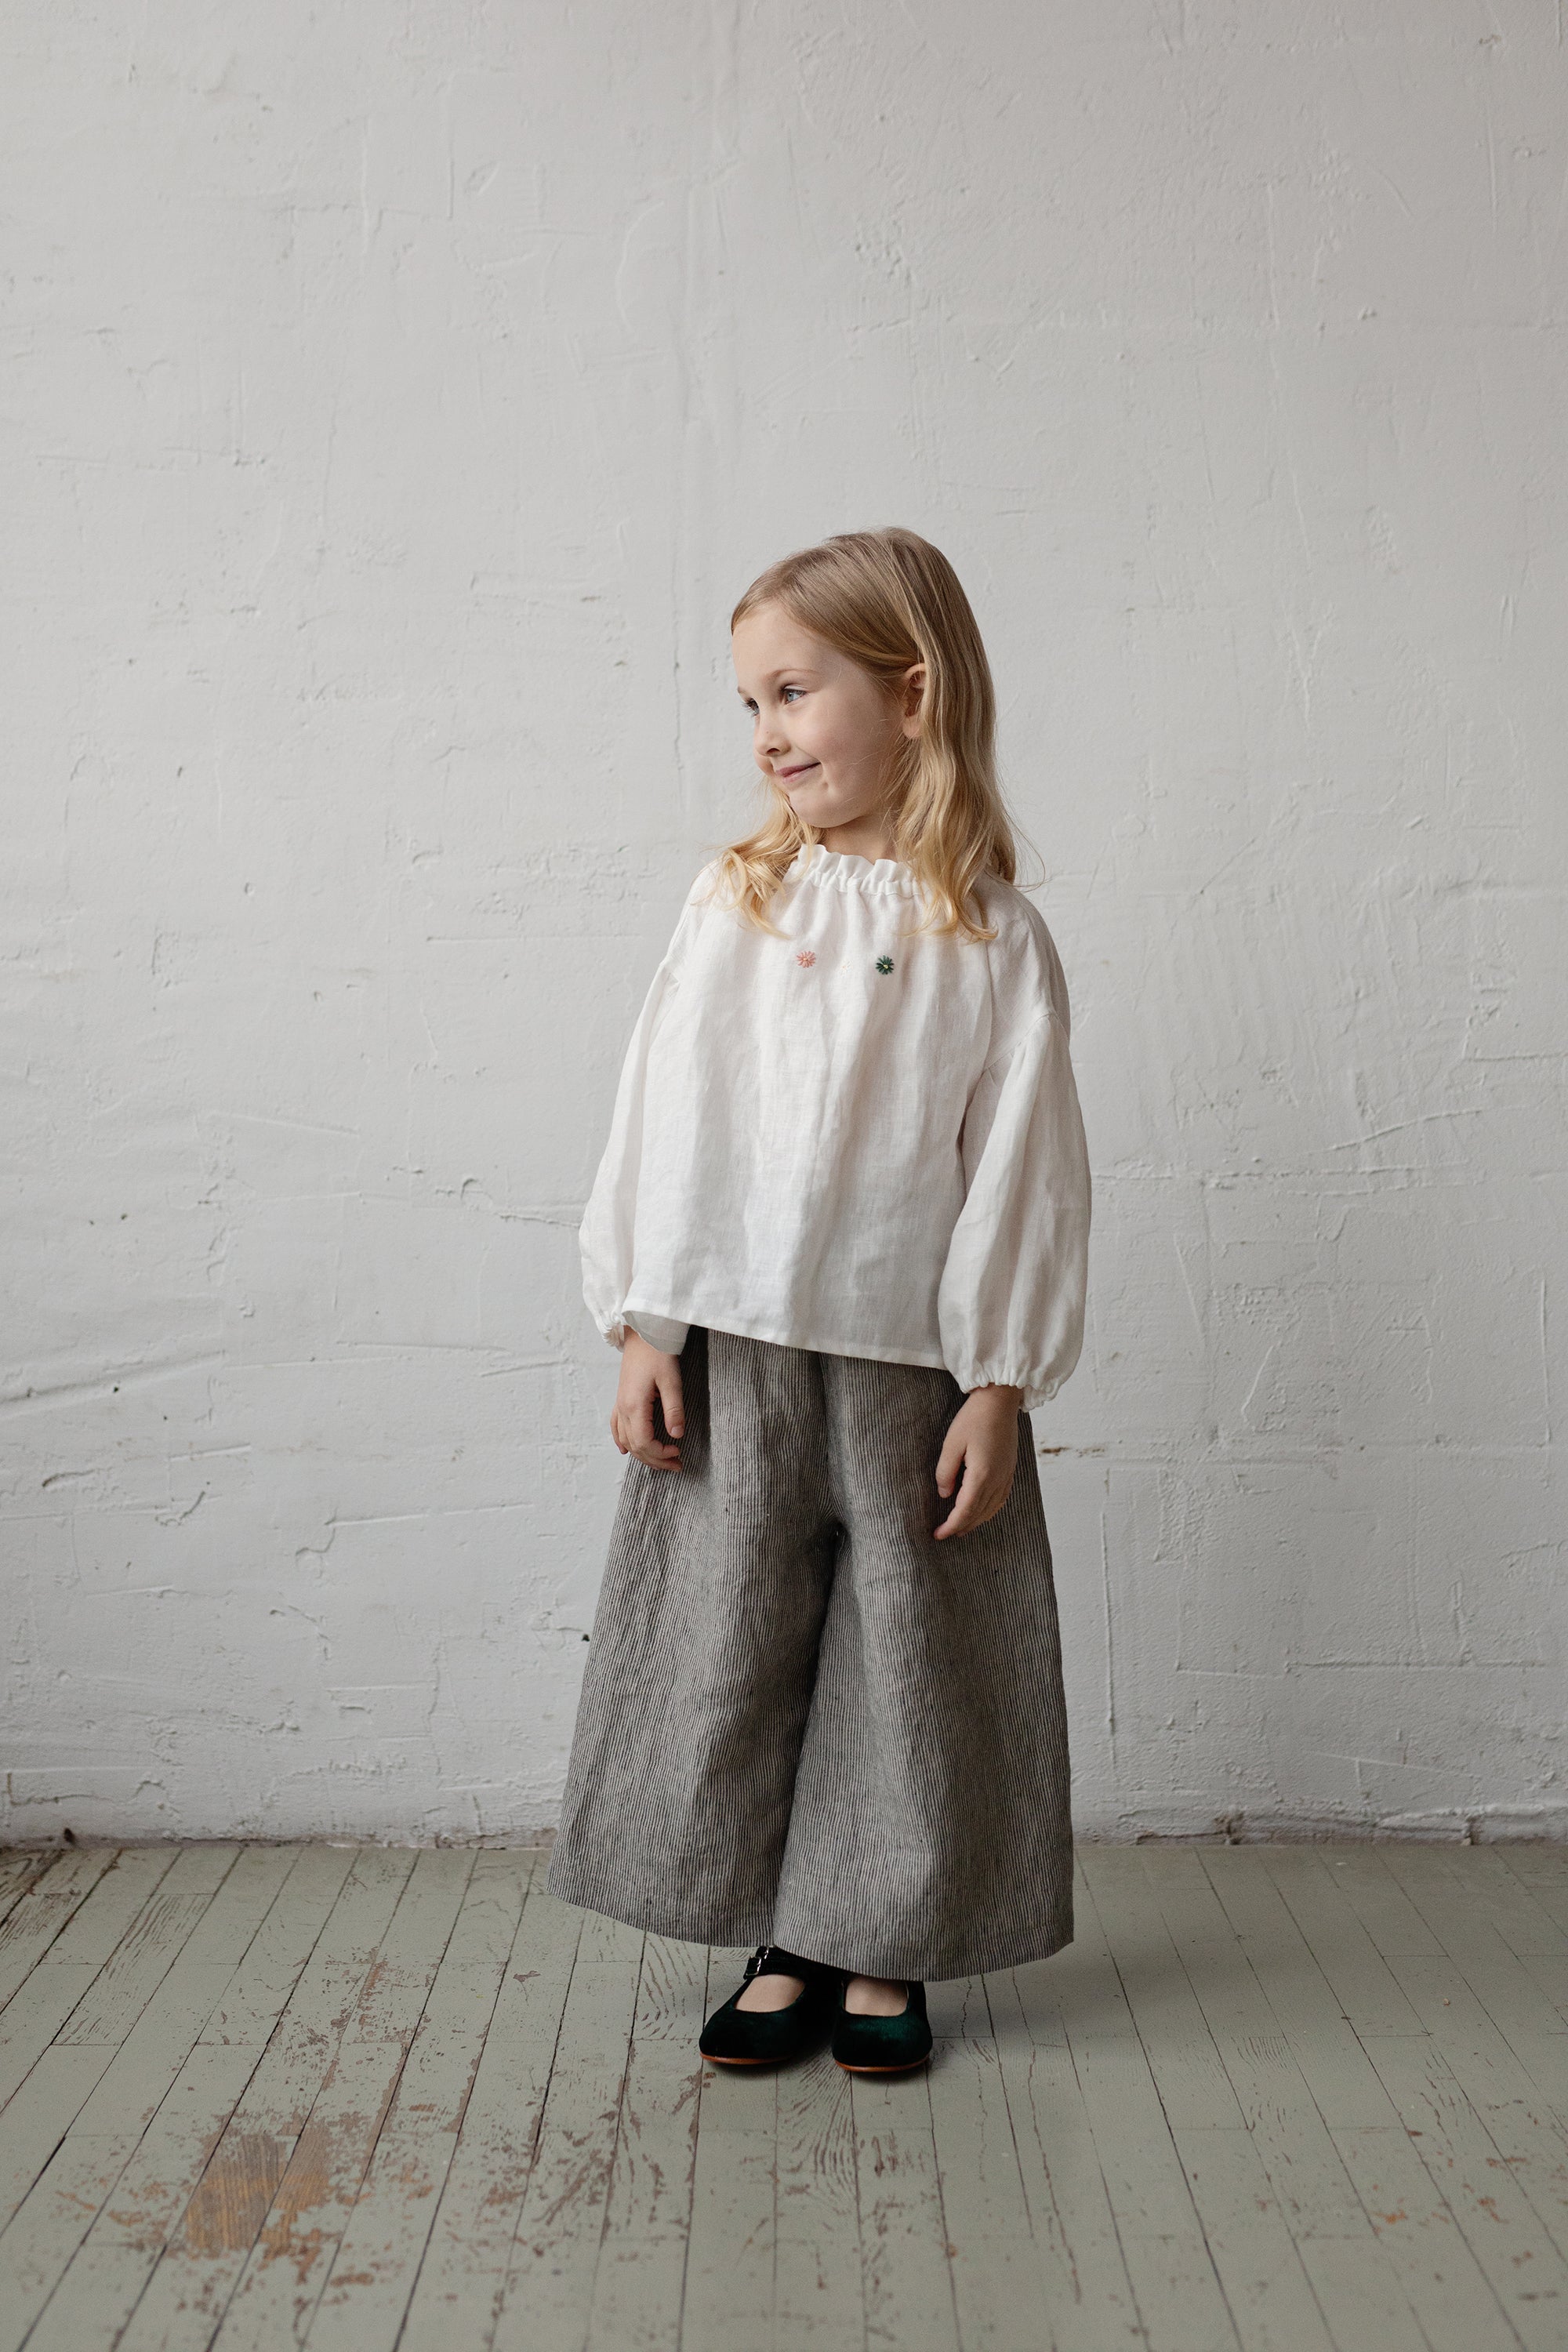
<point x="983" y="1441"/>
<point x="645" y="1375"/>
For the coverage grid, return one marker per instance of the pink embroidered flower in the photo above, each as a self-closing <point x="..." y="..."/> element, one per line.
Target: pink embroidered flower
<point x="806" y="958"/>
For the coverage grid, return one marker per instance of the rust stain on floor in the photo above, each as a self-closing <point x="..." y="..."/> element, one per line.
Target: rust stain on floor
<point x="235" y="2192"/>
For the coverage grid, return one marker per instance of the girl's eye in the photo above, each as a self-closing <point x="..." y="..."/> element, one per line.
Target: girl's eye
<point x="790" y="691"/>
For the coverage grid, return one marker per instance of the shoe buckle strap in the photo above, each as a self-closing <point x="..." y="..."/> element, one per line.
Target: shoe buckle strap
<point x="771" y="1960"/>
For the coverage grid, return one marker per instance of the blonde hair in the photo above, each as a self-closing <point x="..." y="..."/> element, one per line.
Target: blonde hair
<point x="888" y="599"/>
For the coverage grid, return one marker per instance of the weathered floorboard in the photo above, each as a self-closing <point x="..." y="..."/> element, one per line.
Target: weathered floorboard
<point x="288" y="2267"/>
<point x="905" y="2252"/>
<point x="201" y="2261"/>
<point x="41" y="1914"/>
<point x="729" y="2263"/>
<point x="177" y="1969"/>
<point x="105" y="2281"/>
<point x="462" y="2278"/>
<point x="1270" y="2100"/>
<point x="641" y="2274"/>
<point x="1499" y="2224"/>
<point x="1174" y="2280"/>
<point x="560" y="2226"/>
<point x="996" y="2273"/>
<point x="1085" y="2292"/>
<point x="378" y="2257"/>
<point x="819" y="2303"/>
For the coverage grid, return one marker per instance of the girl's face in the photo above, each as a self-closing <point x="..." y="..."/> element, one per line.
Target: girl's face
<point x="824" y="728"/>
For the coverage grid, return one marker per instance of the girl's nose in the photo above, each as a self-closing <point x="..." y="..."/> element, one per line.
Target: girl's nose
<point x="768" y="737"/>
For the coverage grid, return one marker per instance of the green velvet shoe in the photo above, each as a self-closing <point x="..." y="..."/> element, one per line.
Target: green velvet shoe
<point x="771" y="2037"/>
<point x="883" y="2045"/>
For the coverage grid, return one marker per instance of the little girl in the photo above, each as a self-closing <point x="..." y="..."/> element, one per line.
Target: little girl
<point x="839" y="1234"/>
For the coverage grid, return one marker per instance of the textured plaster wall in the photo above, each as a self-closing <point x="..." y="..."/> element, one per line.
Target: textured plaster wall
<point x="396" y="397"/>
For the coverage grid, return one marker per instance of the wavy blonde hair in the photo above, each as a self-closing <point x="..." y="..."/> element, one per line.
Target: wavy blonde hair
<point x="888" y="599"/>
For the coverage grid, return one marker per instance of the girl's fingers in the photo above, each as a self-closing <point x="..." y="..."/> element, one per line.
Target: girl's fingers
<point x="959" y="1520"/>
<point x="980" y="1498"/>
<point x="631" y="1426"/>
<point x="670" y="1397"/>
<point x="642" y="1440"/>
<point x="949" y="1462"/>
<point x="663" y="1454"/>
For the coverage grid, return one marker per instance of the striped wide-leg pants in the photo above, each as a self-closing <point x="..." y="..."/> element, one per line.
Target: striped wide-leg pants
<point x="805" y="1722"/>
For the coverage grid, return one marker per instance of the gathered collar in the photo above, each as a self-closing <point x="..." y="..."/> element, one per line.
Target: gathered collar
<point x="839" y="870"/>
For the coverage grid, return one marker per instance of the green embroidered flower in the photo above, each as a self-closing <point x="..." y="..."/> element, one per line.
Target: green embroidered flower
<point x="884" y="963"/>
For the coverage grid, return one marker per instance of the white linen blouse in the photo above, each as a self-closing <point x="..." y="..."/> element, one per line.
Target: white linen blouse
<point x="850" y="1139"/>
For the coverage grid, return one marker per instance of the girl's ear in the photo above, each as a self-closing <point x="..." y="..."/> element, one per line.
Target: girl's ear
<point x="914" y="691"/>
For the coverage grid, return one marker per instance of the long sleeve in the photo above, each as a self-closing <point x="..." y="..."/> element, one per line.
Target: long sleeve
<point x="606" y="1237"/>
<point x="1010" y="1308"/>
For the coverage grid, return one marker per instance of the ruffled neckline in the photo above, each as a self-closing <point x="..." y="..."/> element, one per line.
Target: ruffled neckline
<point x="838" y="869"/>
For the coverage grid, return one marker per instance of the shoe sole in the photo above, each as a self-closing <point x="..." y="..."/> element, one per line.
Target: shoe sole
<point x="907" y="2068"/>
<point x="741" y="2062"/>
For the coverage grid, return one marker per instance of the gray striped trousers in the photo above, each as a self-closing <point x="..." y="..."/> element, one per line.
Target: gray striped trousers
<point x="803" y="1721"/>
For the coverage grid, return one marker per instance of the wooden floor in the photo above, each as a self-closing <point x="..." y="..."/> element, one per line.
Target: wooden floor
<point x="1285" y="2097"/>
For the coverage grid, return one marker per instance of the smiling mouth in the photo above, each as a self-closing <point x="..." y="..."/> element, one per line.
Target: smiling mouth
<point x="788" y="775"/>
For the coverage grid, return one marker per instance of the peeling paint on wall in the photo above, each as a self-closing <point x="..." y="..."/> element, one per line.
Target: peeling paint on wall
<point x="402" y="404"/>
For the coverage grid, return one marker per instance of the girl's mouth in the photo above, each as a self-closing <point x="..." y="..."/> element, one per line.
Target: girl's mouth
<point x="790" y="775"/>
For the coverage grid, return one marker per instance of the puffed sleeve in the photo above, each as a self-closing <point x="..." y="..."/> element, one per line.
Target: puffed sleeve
<point x="607" y="1233"/>
<point x="1011" y="1303"/>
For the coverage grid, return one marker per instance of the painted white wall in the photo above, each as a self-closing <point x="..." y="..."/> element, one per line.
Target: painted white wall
<point x="401" y="397"/>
